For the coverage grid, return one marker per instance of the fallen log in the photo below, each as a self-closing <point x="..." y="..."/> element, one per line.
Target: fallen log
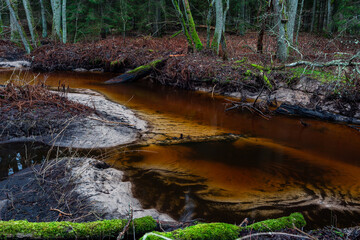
<point x="287" y="109"/>
<point x="137" y="73"/>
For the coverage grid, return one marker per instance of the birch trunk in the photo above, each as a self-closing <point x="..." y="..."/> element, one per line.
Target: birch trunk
<point x="280" y="12"/>
<point x="292" y="10"/>
<point x="13" y="28"/>
<point x="64" y="32"/>
<point x="56" y="9"/>
<point x="43" y="19"/>
<point x="313" y="13"/>
<point x="31" y="22"/>
<point x="19" y="28"/>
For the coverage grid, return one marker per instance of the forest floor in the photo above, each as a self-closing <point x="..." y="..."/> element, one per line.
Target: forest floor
<point x="245" y="74"/>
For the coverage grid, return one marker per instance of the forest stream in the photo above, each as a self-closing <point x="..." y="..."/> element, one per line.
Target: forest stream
<point x="276" y="167"/>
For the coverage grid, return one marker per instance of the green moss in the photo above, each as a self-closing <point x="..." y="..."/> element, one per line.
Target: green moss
<point x="248" y="73"/>
<point x="279" y="223"/>
<point x="267" y="81"/>
<point x="227" y="231"/>
<point x="97" y="229"/>
<point x="260" y="68"/>
<point x="146" y="67"/>
<point x="203" y="231"/>
<point x="243" y="60"/>
<point x="320" y="75"/>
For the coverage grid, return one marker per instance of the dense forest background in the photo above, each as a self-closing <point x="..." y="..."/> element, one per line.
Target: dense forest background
<point x="93" y="19"/>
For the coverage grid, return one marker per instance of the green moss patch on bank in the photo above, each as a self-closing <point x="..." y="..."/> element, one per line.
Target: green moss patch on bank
<point x="92" y="230"/>
<point x="229" y="231"/>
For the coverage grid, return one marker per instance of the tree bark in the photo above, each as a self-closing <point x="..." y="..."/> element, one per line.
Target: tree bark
<point x="281" y="19"/>
<point x="313" y="15"/>
<point x="13" y="28"/>
<point x="194" y="35"/>
<point x="63" y="11"/>
<point x="218" y="25"/>
<point x="208" y="23"/>
<point x="262" y="30"/>
<point x="31" y="22"/>
<point x="328" y="16"/>
<point x="43" y="19"/>
<point x="19" y="28"/>
<point x="183" y="23"/>
<point x="299" y="21"/>
<point x="56" y="9"/>
<point x="292" y="10"/>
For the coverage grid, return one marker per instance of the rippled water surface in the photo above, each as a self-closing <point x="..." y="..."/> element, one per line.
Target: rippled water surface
<point x="279" y="166"/>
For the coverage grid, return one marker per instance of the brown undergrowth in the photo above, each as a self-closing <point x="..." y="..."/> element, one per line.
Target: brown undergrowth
<point x="24" y="98"/>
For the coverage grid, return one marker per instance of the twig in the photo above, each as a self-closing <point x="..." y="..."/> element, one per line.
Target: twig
<point x="121" y="235"/>
<point x="110" y="122"/>
<point x="61" y="212"/>
<point x="272" y="233"/>
<point x="301" y="231"/>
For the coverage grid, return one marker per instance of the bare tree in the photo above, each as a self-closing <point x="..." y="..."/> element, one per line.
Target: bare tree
<point x="19" y="29"/>
<point x="281" y="20"/>
<point x="31" y="22"/>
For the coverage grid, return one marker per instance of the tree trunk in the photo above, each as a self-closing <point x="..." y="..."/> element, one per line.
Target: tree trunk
<point x="56" y="9"/>
<point x="292" y="10"/>
<point x="43" y="19"/>
<point x="242" y="17"/>
<point x="208" y="23"/>
<point x="183" y="24"/>
<point x="262" y="30"/>
<point x="31" y="22"/>
<point x="328" y="16"/>
<point x="280" y="12"/>
<point x="194" y="35"/>
<point x="313" y="15"/>
<point x="218" y="26"/>
<point x="299" y="20"/>
<point x="19" y="28"/>
<point x="13" y="28"/>
<point x="64" y="33"/>
<point x="1" y="21"/>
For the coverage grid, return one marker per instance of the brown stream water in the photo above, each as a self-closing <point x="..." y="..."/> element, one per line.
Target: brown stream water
<point x="279" y="167"/>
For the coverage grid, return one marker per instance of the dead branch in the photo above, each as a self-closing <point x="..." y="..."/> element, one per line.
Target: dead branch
<point x="271" y="234"/>
<point x="61" y="212"/>
<point x="126" y="228"/>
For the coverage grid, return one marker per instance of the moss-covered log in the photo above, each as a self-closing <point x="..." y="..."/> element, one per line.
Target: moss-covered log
<point x="227" y="231"/>
<point x="70" y="230"/>
<point x="137" y="73"/>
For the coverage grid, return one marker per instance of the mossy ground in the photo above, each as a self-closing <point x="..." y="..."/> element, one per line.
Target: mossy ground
<point x="228" y="231"/>
<point x="70" y="230"/>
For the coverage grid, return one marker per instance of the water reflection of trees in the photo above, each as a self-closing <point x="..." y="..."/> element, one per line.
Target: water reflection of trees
<point x="17" y="156"/>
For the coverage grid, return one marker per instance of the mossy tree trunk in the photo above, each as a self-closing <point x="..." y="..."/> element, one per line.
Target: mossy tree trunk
<point x="180" y="15"/>
<point x="31" y="22"/>
<point x="19" y="29"/>
<point x="43" y="19"/>
<point x="191" y="25"/>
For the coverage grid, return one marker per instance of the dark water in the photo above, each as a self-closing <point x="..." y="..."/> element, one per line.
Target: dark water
<point x="280" y="167"/>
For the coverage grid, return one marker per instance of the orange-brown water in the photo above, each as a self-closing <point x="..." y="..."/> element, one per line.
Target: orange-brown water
<point x="280" y="167"/>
